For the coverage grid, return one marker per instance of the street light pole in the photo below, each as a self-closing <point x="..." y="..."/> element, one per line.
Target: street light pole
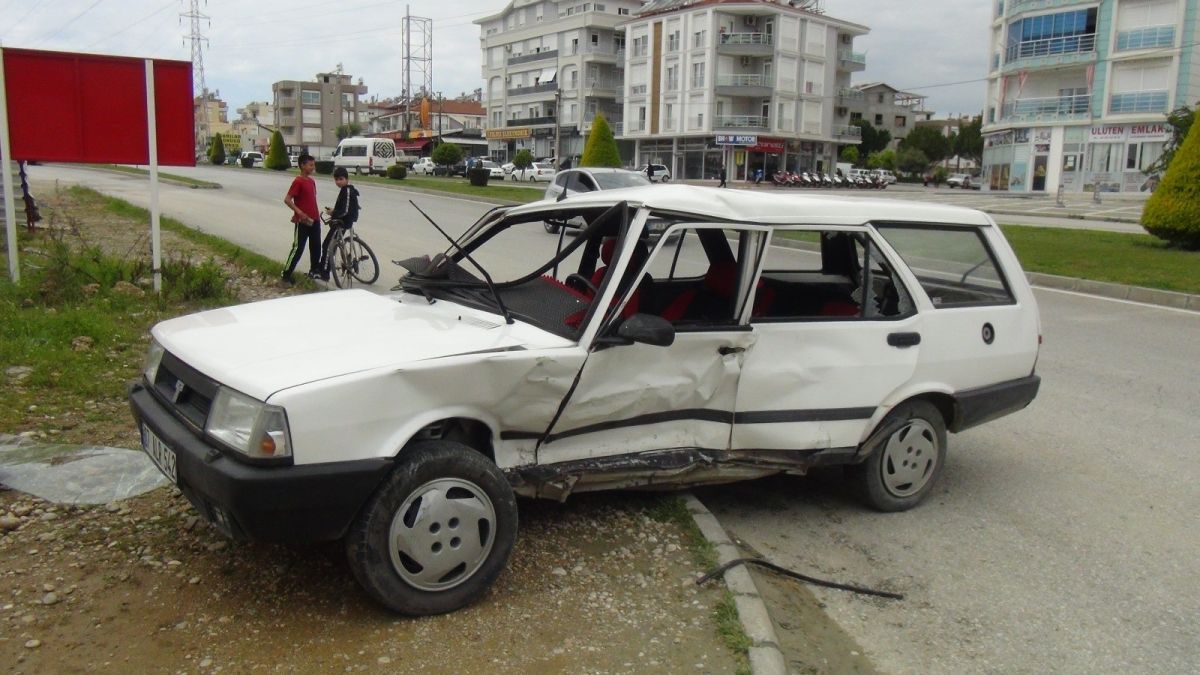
<point x="557" y="125"/>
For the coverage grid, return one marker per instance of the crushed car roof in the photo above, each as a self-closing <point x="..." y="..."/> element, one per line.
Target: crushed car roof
<point x="766" y="207"/>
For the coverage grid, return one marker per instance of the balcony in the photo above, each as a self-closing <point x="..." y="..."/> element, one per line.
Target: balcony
<point x="1150" y="101"/>
<point x="1051" y="51"/>
<point x="529" y="121"/>
<point x="535" y="89"/>
<point x="1048" y="109"/>
<point x="744" y="85"/>
<point x="850" y="94"/>
<point x="1146" y="38"/>
<point x="746" y="44"/>
<point x="851" y="60"/>
<point x="603" y="86"/>
<point x="530" y="58"/>
<point x="850" y="131"/>
<point x="742" y="122"/>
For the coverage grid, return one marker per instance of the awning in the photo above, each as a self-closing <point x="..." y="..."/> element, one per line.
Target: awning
<point x="413" y="145"/>
<point x="548" y="75"/>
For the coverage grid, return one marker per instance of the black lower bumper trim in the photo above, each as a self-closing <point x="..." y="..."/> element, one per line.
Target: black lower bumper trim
<point x="976" y="406"/>
<point x="305" y="503"/>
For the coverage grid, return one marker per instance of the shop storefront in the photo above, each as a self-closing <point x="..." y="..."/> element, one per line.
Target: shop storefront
<point x="1103" y="157"/>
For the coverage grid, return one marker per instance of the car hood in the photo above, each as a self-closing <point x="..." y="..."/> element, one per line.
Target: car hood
<point x="264" y="347"/>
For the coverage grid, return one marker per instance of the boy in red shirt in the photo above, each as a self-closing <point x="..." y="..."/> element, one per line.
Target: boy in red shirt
<point x="301" y="198"/>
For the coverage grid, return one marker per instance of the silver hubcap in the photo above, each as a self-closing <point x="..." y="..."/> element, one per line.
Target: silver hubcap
<point x="909" y="458"/>
<point x="442" y="534"/>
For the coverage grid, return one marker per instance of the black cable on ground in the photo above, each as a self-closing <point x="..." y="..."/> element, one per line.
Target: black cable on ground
<point x="720" y="571"/>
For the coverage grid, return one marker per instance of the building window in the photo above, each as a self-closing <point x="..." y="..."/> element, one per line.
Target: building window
<point x="1062" y="33"/>
<point x="623" y="11"/>
<point x="595" y="39"/>
<point x="879" y="120"/>
<point x="672" y="78"/>
<point x="574" y="80"/>
<point x="697" y="75"/>
<point x="673" y="42"/>
<point x="641" y="120"/>
<point x="639" y="45"/>
<point x="310" y="97"/>
<point x="901" y="121"/>
<point x="699" y="38"/>
<point x="879" y="98"/>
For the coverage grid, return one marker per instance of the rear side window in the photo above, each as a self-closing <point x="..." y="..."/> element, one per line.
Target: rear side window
<point x="354" y="151"/>
<point x="955" y="265"/>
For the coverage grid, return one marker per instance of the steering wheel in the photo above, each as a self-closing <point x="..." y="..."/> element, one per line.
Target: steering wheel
<point x="580" y="282"/>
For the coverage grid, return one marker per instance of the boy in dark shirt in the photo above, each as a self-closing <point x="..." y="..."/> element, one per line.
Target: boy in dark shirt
<point x="301" y="198"/>
<point x="343" y="215"/>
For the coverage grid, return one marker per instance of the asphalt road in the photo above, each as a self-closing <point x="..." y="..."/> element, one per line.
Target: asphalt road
<point x="1061" y="539"/>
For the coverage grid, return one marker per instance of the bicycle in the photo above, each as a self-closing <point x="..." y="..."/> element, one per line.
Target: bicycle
<point x="349" y="256"/>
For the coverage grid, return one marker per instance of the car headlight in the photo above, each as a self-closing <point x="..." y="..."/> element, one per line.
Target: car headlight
<point x="153" y="359"/>
<point x="248" y="425"/>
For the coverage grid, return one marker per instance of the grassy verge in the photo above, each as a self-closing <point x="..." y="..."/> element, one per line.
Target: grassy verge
<point x="1134" y="259"/>
<point x="194" y="182"/>
<point x="456" y="185"/>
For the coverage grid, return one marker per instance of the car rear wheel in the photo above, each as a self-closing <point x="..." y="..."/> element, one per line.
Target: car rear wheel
<point x="437" y="533"/>
<point x="907" y="461"/>
<point x="552" y="229"/>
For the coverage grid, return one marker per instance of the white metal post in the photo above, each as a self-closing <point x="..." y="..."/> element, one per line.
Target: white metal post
<point x="152" y="131"/>
<point x="10" y="207"/>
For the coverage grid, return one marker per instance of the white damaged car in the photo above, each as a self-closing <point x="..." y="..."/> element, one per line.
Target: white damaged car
<point x="773" y="333"/>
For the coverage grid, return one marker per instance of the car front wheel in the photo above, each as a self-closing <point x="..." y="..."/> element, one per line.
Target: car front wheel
<point x="905" y="465"/>
<point x="437" y="533"/>
<point x="552" y="229"/>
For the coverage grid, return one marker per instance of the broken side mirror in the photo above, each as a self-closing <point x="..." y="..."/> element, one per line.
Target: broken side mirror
<point x="647" y="329"/>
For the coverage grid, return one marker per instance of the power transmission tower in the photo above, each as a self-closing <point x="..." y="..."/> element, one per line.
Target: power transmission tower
<point x="418" y="55"/>
<point x="198" y="40"/>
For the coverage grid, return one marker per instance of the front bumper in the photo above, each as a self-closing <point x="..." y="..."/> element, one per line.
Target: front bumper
<point x="305" y="503"/>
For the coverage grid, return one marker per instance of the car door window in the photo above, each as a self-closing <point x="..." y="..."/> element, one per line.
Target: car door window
<point x="699" y="280"/>
<point x="954" y="265"/>
<point x="561" y="179"/>
<point x="828" y="275"/>
<point x="581" y="182"/>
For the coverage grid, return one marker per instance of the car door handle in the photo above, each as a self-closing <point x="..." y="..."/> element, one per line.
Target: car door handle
<point x="904" y="339"/>
<point x="726" y="351"/>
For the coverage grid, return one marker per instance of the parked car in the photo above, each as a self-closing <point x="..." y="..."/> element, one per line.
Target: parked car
<point x="424" y="166"/>
<point x="661" y="173"/>
<point x="884" y="175"/>
<point x="494" y="169"/>
<point x="255" y="157"/>
<point x="537" y="172"/>
<point x="405" y="425"/>
<point x="294" y="159"/>
<point x="587" y="179"/>
<point x="508" y="168"/>
<point x="366" y="155"/>
<point x="962" y="180"/>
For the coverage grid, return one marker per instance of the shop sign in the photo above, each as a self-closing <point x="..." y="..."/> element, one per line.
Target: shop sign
<point x="508" y="133"/>
<point x="1000" y="139"/>
<point x="729" y="139"/>
<point x="1107" y="133"/>
<point x="1155" y="132"/>
<point x="543" y="132"/>
<point x="769" y="145"/>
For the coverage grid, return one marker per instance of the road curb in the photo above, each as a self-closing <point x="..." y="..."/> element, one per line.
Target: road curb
<point x="1104" y="289"/>
<point x="765" y="656"/>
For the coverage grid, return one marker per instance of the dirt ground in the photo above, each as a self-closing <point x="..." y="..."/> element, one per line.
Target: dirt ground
<point x="595" y="585"/>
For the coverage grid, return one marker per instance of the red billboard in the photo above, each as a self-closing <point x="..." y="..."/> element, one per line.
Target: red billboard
<point x="85" y="108"/>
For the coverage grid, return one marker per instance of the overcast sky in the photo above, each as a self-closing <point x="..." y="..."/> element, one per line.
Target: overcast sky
<point x="912" y="45"/>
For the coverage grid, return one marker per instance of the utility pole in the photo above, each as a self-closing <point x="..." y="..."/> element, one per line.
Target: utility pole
<point x="197" y="39"/>
<point x="557" y="126"/>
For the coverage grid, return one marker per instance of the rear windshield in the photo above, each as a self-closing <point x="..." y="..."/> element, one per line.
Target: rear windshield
<point x="612" y="181"/>
<point x="954" y="264"/>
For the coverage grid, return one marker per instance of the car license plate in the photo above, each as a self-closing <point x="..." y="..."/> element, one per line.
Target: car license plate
<point x="160" y="453"/>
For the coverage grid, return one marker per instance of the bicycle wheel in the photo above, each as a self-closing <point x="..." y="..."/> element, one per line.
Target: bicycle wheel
<point x="339" y="264"/>
<point x="363" y="265"/>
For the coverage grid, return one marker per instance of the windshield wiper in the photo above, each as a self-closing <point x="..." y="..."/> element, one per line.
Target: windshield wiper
<point x="487" y="277"/>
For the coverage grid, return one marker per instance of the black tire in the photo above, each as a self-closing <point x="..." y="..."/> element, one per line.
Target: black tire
<point x="665" y="179"/>
<point x="906" y="464"/>
<point x="364" y="264"/>
<point x="552" y="229"/>
<point x="441" y="499"/>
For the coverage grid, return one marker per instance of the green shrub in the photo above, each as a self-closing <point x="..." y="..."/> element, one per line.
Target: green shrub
<point x="1173" y="212"/>
<point x="397" y="172"/>
<point x="523" y="159"/>
<point x="447" y="154"/>
<point x="216" y="152"/>
<point x="324" y="166"/>
<point x="277" y="157"/>
<point x="600" y="148"/>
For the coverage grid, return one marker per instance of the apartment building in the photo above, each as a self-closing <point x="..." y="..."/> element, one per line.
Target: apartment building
<point x="746" y="84"/>
<point x="309" y="113"/>
<point x="1078" y="91"/>
<point x="884" y="107"/>
<point x="549" y="66"/>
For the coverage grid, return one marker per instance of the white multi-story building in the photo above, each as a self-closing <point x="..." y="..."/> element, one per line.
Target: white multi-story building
<point x="746" y="84"/>
<point x="1078" y="91"/>
<point x="548" y="67"/>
